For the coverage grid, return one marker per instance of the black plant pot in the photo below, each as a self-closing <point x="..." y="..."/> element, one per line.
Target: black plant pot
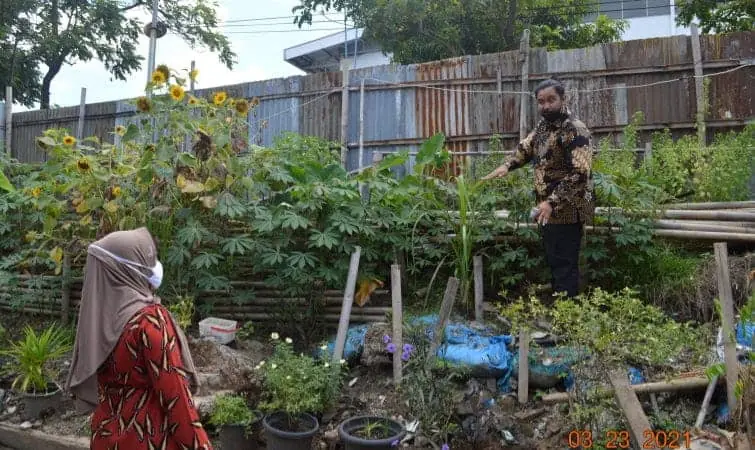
<point x="390" y="431"/>
<point x="239" y="437"/>
<point x="281" y="436"/>
<point x="34" y="405"/>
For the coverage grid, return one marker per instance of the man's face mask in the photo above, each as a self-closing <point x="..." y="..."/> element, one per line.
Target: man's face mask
<point x="155" y="280"/>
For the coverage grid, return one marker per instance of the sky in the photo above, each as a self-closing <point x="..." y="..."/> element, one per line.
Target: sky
<point x="254" y="36"/>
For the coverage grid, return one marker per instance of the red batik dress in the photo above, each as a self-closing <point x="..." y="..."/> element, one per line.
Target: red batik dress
<point x="144" y="394"/>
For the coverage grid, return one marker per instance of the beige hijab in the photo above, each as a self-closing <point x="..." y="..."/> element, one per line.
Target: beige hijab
<point x="112" y="294"/>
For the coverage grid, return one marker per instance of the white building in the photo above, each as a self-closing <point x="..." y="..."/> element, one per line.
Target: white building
<point x="646" y="19"/>
<point x="325" y="54"/>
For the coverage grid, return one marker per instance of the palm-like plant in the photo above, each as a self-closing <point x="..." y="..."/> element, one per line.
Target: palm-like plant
<point x="31" y="357"/>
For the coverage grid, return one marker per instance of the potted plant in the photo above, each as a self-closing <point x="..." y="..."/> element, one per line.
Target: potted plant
<point x="295" y="387"/>
<point x="370" y="432"/>
<point x="238" y="424"/>
<point x="30" y="360"/>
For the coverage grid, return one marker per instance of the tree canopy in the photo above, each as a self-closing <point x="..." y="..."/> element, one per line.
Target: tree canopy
<point x="417" y="30"/>
<point x="37" y="37"/>
<point x="715" y="16"/>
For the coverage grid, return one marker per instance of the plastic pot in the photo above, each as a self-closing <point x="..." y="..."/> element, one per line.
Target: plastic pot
<point x="34" y="405"/>
<point x="240" y="437"/>
<point x="355" y="432"/>
<point x="286" y="432"/>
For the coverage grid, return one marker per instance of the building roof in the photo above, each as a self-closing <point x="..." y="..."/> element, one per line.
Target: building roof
<point x="321" y="54"/>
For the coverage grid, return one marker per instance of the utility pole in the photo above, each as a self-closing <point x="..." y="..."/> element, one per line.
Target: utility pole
<point x="152" y="41"/>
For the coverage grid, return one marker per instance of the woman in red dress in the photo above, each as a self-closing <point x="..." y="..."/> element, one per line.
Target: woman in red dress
<point x="131" y="362"/>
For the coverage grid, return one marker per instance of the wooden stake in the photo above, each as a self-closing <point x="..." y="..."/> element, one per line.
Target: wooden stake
<point x="348" y="300"/>
<point x="523" y="382"/>
<point x="727" y="322"/>
<point x="628" y="401"/>
<point x="445" y="312"/>
<point x="345" y="64"/>
<point x="82" y="115"/>
<point x="398" y="321"/>
<point x="65" y="310"/>
<point x="524" y="102"/>
<point x="8" y="120"/>
<point x="478" y="288"/>
<point x="699" y="87"/>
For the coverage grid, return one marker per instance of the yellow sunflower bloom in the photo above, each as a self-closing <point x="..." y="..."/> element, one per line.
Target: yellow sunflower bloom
<point x="83" y="164"/>
<point x="120" y="130"/>
<point x="177" y="92"/>
<point x="193" y="100"/>
<point x="36" y="192"/>
<point x="219" y="98"/>
<point x="70" y="141"/>
<point x="158" y="78"/>
<point x="193" y="75"/>
<point x="116" y="191"/>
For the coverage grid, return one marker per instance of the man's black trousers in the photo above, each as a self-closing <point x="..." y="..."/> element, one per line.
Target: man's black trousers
<point x="562" y="244"/>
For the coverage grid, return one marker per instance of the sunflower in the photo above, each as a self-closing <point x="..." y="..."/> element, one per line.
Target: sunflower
<point x="163" y="69"/>
<point x="193" y="100"/>
<point x="177" y="92"/>
<point x="83" y="164"/>
<point x="255" y="102"/>
<point x="193" y="74"/>
<point x="144" y="105"/>
<point x="242" y="106"/>
<point x="36" y="192"/>
<point x="69" y="141"/>
<point x="158" y="78"/>
<point x="116" y="191"/>
<point x="120" y="130"/>
<point x="219" y="98"/>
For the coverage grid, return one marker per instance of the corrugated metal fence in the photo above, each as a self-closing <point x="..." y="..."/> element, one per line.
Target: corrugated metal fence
<point x="473" y="98"/>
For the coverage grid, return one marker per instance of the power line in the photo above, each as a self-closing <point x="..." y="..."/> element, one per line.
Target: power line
<point x="258" y="19"/>
<point x="284" y="31"/>
<point x="611" y="88"/>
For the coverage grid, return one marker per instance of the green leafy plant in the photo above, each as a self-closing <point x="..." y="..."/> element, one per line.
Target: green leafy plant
<point x="230" y="409"/>
<point x="182" y="308"/>
<point x="296" y="384"/>
<point x="31" y="357"/>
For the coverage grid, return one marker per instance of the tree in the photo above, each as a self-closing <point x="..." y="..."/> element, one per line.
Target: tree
<point x="418" y="30"/>
<point x="716" y="16"/>
<point x="69" y="31"/>
<point x="18" y="68"/>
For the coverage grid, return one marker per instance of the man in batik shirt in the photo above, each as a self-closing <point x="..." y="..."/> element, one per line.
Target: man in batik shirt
<point x="561" y="152"/>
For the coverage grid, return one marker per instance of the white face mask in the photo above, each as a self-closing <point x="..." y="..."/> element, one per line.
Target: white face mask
<point x="155" y="280"/>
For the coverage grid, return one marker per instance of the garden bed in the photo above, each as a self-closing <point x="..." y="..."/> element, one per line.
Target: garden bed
<point x="488" y="418"/>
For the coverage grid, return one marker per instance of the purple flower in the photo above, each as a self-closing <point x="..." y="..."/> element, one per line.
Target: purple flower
<point x="391" y="347"/>
<point x="394" y="443"/>
<point x="408" y="348"/>
<point x="405" y="356"/>
<point x="445" y="447"/>
<point x="386" y="339"/>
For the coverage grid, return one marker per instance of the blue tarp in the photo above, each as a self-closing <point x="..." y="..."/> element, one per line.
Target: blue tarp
<point x="744" y="334"/>
<point x="480" y="350"/>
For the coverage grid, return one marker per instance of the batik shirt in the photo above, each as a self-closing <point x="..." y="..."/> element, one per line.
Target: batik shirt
<point x="561" y="153"/>
<point x="144" y="392"/>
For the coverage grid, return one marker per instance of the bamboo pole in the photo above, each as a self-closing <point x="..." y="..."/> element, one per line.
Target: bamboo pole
<point x="713" y="205"/>
<point x="675" y="385"/>
<point x="348" y="300"/>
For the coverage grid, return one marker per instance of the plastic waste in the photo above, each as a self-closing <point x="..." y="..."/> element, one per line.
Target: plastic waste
<point x="635" y="376"/>
<point x="551" y="365"/>
<point x="354" y="345"/>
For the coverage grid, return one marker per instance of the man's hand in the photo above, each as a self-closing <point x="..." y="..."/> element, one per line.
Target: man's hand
<point x="499" y="172"/>
<point x="545" y="209"/>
